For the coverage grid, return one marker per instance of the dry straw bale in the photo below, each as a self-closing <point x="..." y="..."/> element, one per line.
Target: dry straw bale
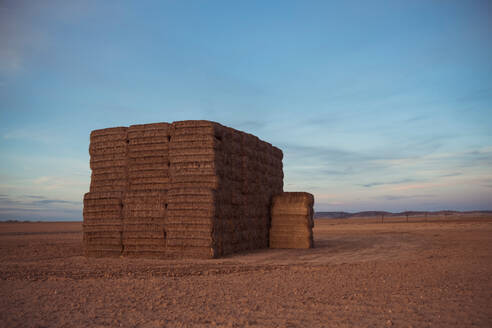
<point x="191" y="184"/>
<point x="292" y="220"/>
<point x="148" y="173"/>
<point x="189" y="221"/>
<point x="103" y="211"/>
<point x="188" y="153"/>
<point x="111" y="164"/>
<point x="210" y="143"/>
<point x="148" y="186"/>
<point x="143" y="226"/>
<point x="191" y="242"/>
<point x="149" y="180"/>
<point x="110" y="169"/>
<point x="145" y="141"/>
<point x="156" y="167"/>
<point x="144" y="234"/>
<point x="107" y="187"/>
<point x="104" y="252"/>
<point x="137" y="197"/>
<point x="108" y="131"/>
<point x="149" y="143"/>
<point x="191" y="191"/>
<point x="110" y="182"/>
<point x="140" y="130"/>
<point x="153" y="159"/>
<point x="193" y="234"/>
<point x="205" y="205"/>
<point x="108" y="176"/>
<point x="137" y="248"/>
<point x="294" y="199"/>
<point x="103" y="243"/>
<point x="99" y="219"/>
<point x="194" y="252"/>
<point x="111" y="249"/>
<point x="108" y="157"/>
<point x="194" y="177"/>
<point x="148" y="149"/>
<point x="183" y="199"/>
<point x="105" y="149"/>
<point x="190" y="158"/>
<point x="143" y="241"/>
<point x="209" y="227"/>
<point x="198" y="171"/>
<point x="146" y="153"/>
<point x="102" y="235"/>
<point x="101" y="227"/>
<point x="130" y="213"/>
<point x="108" y="135"/>
<point x="191" y="213"/>
<point x="102" y="196"/>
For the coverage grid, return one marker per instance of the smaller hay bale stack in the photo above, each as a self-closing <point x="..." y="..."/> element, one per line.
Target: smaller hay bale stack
<point x="292" y="220"/>
<point x="103" y="218"/>
<point x="145" y="200"/>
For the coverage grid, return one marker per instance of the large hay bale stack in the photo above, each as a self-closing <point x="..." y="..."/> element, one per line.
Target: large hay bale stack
<point x="190" y="188"/>
<point x="145" y="200"/>
<point x="103" y="217"/>
<point x="193" y="185"/>
<point x="292" y="220"/>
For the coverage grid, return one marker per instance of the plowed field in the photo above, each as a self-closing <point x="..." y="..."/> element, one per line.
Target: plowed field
<point x="361" y="273"/>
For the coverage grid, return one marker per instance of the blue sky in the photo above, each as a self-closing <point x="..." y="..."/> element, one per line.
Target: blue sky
<point x="380" y="105"/>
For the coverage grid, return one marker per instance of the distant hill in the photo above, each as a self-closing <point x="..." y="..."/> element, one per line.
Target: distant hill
<point x="344" y="215"/>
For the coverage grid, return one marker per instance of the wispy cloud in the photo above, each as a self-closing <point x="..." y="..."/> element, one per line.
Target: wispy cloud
<point x="400" y="197"/>
<point x="373" y="184"/>
<point x="39" y="207"/>
<point x="327" y="155"/>
<point x="34" y="196"/>
<point x="454" y="174"/>
<point x="33" y="201"/>
<point x="54" y="201"/>
<point x="31" y="135"/>
<point x="425" y="185"/>
<point x="50" y="183"/>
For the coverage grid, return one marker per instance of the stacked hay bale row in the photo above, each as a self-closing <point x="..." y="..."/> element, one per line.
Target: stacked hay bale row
<point x="292" y="220"/>
<point x="192" y="201"/>
<point x="250" y="174"/>
<point x="145" y="201"/>
<point x="229" y="199"/>
<point x="103" y="217"/>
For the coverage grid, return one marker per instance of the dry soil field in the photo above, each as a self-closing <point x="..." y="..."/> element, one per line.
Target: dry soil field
<point x="361" y="274"/>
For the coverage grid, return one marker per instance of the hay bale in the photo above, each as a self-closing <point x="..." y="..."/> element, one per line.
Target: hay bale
<point x="292" y="220"/>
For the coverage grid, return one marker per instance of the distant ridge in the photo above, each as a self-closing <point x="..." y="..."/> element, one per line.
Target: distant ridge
<point x="344" y="215"/>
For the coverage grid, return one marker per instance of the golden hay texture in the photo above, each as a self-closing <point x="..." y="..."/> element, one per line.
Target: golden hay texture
<point x="292" y="220"/>
<point x="190" y="188"/>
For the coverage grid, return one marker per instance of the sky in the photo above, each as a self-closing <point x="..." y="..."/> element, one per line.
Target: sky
<point x="377" y="105"/>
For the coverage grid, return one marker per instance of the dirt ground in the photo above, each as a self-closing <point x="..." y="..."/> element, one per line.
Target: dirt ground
<point x="361" y="274"/>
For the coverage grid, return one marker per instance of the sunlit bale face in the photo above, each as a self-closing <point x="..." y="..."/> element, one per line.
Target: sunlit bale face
<point x="292" y="220"/>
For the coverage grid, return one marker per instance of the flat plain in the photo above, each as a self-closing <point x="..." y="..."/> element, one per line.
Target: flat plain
<point x="428" y="272"/>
